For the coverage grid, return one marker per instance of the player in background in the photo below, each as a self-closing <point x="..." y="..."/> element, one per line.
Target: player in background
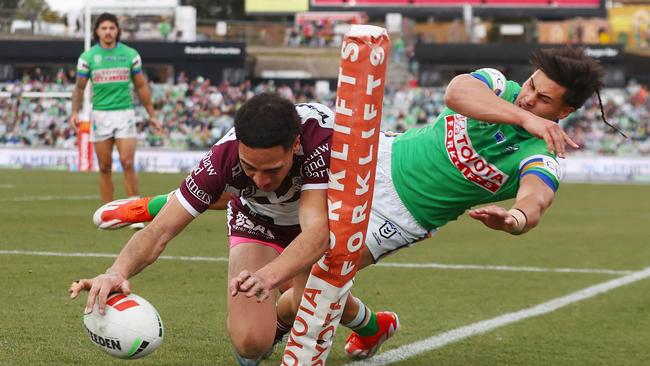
<point x="273" y="166"/>
<point x="112" y="66"/>
<point x="495" y="140"/>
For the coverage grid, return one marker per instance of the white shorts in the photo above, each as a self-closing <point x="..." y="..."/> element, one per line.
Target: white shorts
<point x="391" y="225"/>
<point x="112" y="124"/>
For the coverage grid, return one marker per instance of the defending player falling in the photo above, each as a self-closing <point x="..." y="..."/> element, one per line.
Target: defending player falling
<point x="495" y="140"/>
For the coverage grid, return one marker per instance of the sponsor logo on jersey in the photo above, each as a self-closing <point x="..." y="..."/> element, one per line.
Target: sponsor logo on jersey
<point x="197" y="192"/>
<point x="499" y="137"/>
<point x="111" y="75"/>
<point x="510" y="149"/>
<point x="243" y="223"/>
<point x="464" y="157"/>
<point x="97" y="59"/>
<point x="248" y="191"/>
<point x="387" y="230"/>
<point x="314" y="166"/>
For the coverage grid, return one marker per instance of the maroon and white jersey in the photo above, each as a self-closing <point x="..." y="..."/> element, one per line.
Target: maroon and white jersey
<point x="220" y="171"/>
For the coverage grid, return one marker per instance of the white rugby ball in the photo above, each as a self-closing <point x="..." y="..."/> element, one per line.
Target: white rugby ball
<point x="130" y="328"/>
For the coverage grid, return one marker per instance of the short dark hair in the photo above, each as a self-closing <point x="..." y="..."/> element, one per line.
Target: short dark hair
<point x="578" y="73"/>
<point x="267" y="120"/>
<point x="102" y="18"/>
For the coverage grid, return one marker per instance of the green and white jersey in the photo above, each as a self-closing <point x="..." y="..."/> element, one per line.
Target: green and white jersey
<point x="443" y="169"/>
<point x="110" y="70"/>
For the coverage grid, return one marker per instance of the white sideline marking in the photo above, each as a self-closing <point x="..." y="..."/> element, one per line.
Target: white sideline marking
<point x="381" y="264"/>
<point x="501" y="268"/>
<point x="50" y="198"/>
<point x="7" y="186"/>
<point x="438" y="341"/>
<point x="109" y="255"/>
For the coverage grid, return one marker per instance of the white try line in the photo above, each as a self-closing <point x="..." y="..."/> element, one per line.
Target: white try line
<point x="110" y="255"/>
<point x="438" y="341"/>
<point x="50" y="198"/>
<point x="7" y="186"/>
<point x="381" y="264"/>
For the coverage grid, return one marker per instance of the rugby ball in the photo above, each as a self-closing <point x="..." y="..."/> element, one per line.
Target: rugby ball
<point x="130" y="327"/>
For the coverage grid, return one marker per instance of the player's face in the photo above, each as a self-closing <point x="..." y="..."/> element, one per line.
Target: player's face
<point x="543" y="97"/>
<point x="267" y="167"/>
<point x="107" y="32"/>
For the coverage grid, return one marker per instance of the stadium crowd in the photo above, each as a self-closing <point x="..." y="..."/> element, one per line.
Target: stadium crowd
<point x="196" y="113"/>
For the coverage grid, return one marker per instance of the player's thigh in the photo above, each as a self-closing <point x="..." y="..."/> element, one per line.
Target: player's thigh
<point x="123" y="124"/>
<point x="246" y="317"/>
<point x="104" y="152"/>
<point x="126" y="147"/>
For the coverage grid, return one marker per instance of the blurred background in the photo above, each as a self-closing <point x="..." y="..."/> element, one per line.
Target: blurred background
<point x="204" y="58"/>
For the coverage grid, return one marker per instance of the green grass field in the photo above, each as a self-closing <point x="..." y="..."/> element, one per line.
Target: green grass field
<point x="588" y="227"/>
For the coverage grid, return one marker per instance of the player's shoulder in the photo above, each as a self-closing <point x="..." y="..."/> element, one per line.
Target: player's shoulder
<point x="128" y="49"/>
<point x="224" y="153"/>
<point x="317" y="126"/>
<point x="316" y="112"/>
<point x="87" y="54"/>
<point x="497" y="81"/>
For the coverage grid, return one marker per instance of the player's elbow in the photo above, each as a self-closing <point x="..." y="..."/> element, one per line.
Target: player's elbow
<point x="321" y="237"/>
<point x="455" y="91"/>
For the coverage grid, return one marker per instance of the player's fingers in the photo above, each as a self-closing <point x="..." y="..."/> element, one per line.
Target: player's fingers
<point x="549" y="143"/>
<point x="479" y="211"/>
<point x="76" y="287"/>
<point x="249" y="284"/>
<point x="478" y="215"/>
<point x="234" y="286"/>
<point x="90" y="303"/>
<point x="101" y="298"/>
<point x="569" y="141"/>
<point x="262" y="295"/>
<point x="252" y="290"/>
<point x="125" y="287"/>
<point x="558" y="141"/>
<point x="498" y="212"/>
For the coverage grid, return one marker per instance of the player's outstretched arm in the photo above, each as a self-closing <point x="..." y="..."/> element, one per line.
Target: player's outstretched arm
<point x="308" y="247"/>
<point x="469" y="96"/>
<point x="144" y="247"/>
<point x="533" y="198"/>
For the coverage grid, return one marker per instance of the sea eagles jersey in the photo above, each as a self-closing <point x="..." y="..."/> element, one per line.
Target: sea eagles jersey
<point x="443" y="169"/>
<point x="110" y="70"/>
<point x="220" y="171"/>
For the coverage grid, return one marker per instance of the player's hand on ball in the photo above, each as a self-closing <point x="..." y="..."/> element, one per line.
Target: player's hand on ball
<point x="99" y="288"/>
<point x="494" y="217"/>
<point x="250" y="285"/>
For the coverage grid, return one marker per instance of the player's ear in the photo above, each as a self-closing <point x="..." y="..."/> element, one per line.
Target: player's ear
<point x="296" y="145"/>
<point x="565" y="111"/>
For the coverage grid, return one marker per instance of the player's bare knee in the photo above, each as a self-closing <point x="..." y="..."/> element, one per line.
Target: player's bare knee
<point x="249" y="343"/>
<point x="105" y="168"/>
<point x="127" y="163"/>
